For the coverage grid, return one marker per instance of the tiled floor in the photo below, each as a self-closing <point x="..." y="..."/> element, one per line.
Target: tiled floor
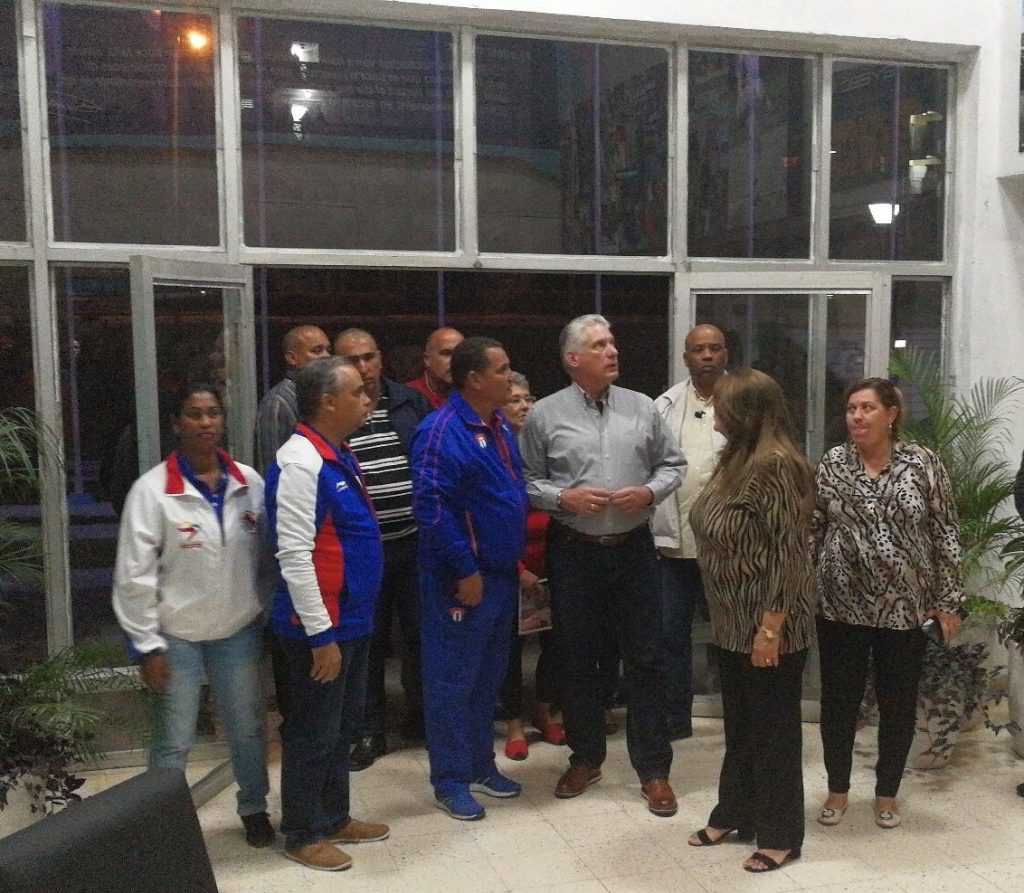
<point x="962" y="830"/>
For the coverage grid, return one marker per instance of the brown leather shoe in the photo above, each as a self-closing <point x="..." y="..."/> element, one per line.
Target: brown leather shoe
<point x="575" y="780"/>
<point x="658" y="794"/>
<point x="359" y="832"/>
<point x="321" y="856"/>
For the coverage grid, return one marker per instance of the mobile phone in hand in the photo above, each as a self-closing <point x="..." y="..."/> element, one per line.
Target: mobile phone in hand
<point x="933" y="630"/>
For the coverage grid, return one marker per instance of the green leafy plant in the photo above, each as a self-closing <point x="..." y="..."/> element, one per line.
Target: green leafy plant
<point x="969" y="434"/>
<point x="21" y="441"/>
<point x="49" y="722"/>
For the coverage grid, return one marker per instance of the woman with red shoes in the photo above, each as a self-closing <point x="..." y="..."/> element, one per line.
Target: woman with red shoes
<point x="546" y="717"/>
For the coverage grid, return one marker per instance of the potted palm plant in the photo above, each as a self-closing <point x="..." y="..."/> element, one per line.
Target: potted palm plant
<point x="48" y="720"/>
<point x="969" y="434"/>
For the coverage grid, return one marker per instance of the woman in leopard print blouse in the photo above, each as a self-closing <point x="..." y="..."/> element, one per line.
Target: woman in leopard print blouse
<point x="887" y="549"/>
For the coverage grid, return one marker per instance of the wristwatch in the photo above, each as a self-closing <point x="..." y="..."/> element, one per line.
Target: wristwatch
<point x="769" y="634"/>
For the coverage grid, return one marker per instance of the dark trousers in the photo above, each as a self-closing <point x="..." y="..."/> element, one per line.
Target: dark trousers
<point x="510" y="699"/>
<point x="465" y="654"/>
<point x="897" y="656"/>
<point x="316" y="738"/>
<point x="596" y="589"/>
<point x="761" y="787"/>
<point x="399" y="594"/>
<point x="681" y="591"/>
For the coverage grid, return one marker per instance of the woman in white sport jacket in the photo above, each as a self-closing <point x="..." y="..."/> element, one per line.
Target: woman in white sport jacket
<point x="186" y="595"/>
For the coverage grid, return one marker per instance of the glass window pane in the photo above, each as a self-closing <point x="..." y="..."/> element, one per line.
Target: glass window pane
<point x="132" y="124"/>
<point x="22" y="603"/>
<point x="888" y="162"/>
<point x="916" y="324"/>
<point x="346" y="136"/>
<point x="750" y="156"/>
<point x="12" y="184"/>
<point x="525" y="311"/>
<point x="398" y="307"/>
<point x="101" y="454"/>
<point x="767" y="332"/>
<point x="572" y="147"/>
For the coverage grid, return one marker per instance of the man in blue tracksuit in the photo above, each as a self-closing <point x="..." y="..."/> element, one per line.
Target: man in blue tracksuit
<point x="470" y="503"/>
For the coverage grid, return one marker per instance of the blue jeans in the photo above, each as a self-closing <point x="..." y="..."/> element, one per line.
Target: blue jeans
<point x="316" y="737"/>
<point x="597" y="590"/>
<point x="681" y="591"/>
<point x="231" y="666"/>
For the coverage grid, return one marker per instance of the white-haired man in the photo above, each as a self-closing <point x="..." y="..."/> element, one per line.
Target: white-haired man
<point x="597" y="458"/>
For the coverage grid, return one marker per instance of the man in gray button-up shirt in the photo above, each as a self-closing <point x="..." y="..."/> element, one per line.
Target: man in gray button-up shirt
<point x="598" y="459"/>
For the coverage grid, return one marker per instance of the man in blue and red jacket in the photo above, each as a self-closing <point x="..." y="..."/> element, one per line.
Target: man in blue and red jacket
<point x="469" y="500"/>
<point x="330" y="561"/>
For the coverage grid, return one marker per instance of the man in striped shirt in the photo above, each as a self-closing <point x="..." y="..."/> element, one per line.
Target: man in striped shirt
<point x="382" y="447"/>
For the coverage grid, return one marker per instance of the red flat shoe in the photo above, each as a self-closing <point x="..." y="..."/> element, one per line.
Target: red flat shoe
<point x="553" y="733"/>
<point x="517" y="749"/>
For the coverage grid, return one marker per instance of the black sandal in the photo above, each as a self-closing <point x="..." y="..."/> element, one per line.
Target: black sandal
<point x="769" y="863"/>
<point x="706" y="839"/>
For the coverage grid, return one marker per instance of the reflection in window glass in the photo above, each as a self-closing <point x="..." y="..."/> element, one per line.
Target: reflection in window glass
<point x="346" y="136"/>
<point x="398" y="307"/>
<point x="844" y="360"/>
<point x="101" y="455"/>
<point x="766" y="332"/>
<point x="917" y="325"/>
<point x="888" y="162"/>
<point x="572" y="147"/>
<point x="12" y="186"/>
<point x="750" y="156"/>
<point x="131" y="100"/>
<point x="525" y="311"/>
<point x="22" y="603"/>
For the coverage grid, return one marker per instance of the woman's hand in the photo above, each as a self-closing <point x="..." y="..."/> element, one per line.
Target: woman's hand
<point x="156" y="672"/>
<point x="765" y="652"/>
<point x="950" y="624"/>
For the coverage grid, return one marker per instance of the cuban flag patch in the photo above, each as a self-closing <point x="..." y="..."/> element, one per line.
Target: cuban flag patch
<point x="456" y="614"/>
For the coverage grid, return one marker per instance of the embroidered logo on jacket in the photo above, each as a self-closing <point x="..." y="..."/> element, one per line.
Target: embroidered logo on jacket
<point x="250" y="522"/>
<point x="189" y="530"/>
<point x="481" y="441"/>
<point x="456" y="614"/>
<point x="341" y="485"/>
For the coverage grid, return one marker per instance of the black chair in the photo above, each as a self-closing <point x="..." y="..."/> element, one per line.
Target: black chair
<point x="141" y="836"/>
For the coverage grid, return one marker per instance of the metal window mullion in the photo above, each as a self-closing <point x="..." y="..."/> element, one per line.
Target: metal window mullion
<point x="817" y="337"/>
<point x="466" y="182"/>
<point x="679" y="158"/>
<point x="45" y="352"/>
<point x="822" y="192"/>
<point x="147" y="412"/>
<point x="229" y="159"/>
<point x="879" y="322"/>
<point x="949" y="230"/>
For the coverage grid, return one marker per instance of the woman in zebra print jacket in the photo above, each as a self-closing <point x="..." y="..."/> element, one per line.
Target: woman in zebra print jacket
<point x="751" y="523"/>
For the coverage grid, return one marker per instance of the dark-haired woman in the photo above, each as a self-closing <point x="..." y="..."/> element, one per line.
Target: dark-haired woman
<point x="887" y="547"/>
<point x="185" y="593"/>
<point x="750" y="523"/>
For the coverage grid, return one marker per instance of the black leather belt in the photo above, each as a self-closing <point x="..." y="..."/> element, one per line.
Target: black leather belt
<point x="572" y="535"/>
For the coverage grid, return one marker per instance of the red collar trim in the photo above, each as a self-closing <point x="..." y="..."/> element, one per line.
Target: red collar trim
<point x="175" y="485"/>
<point x="326" y="451"/>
